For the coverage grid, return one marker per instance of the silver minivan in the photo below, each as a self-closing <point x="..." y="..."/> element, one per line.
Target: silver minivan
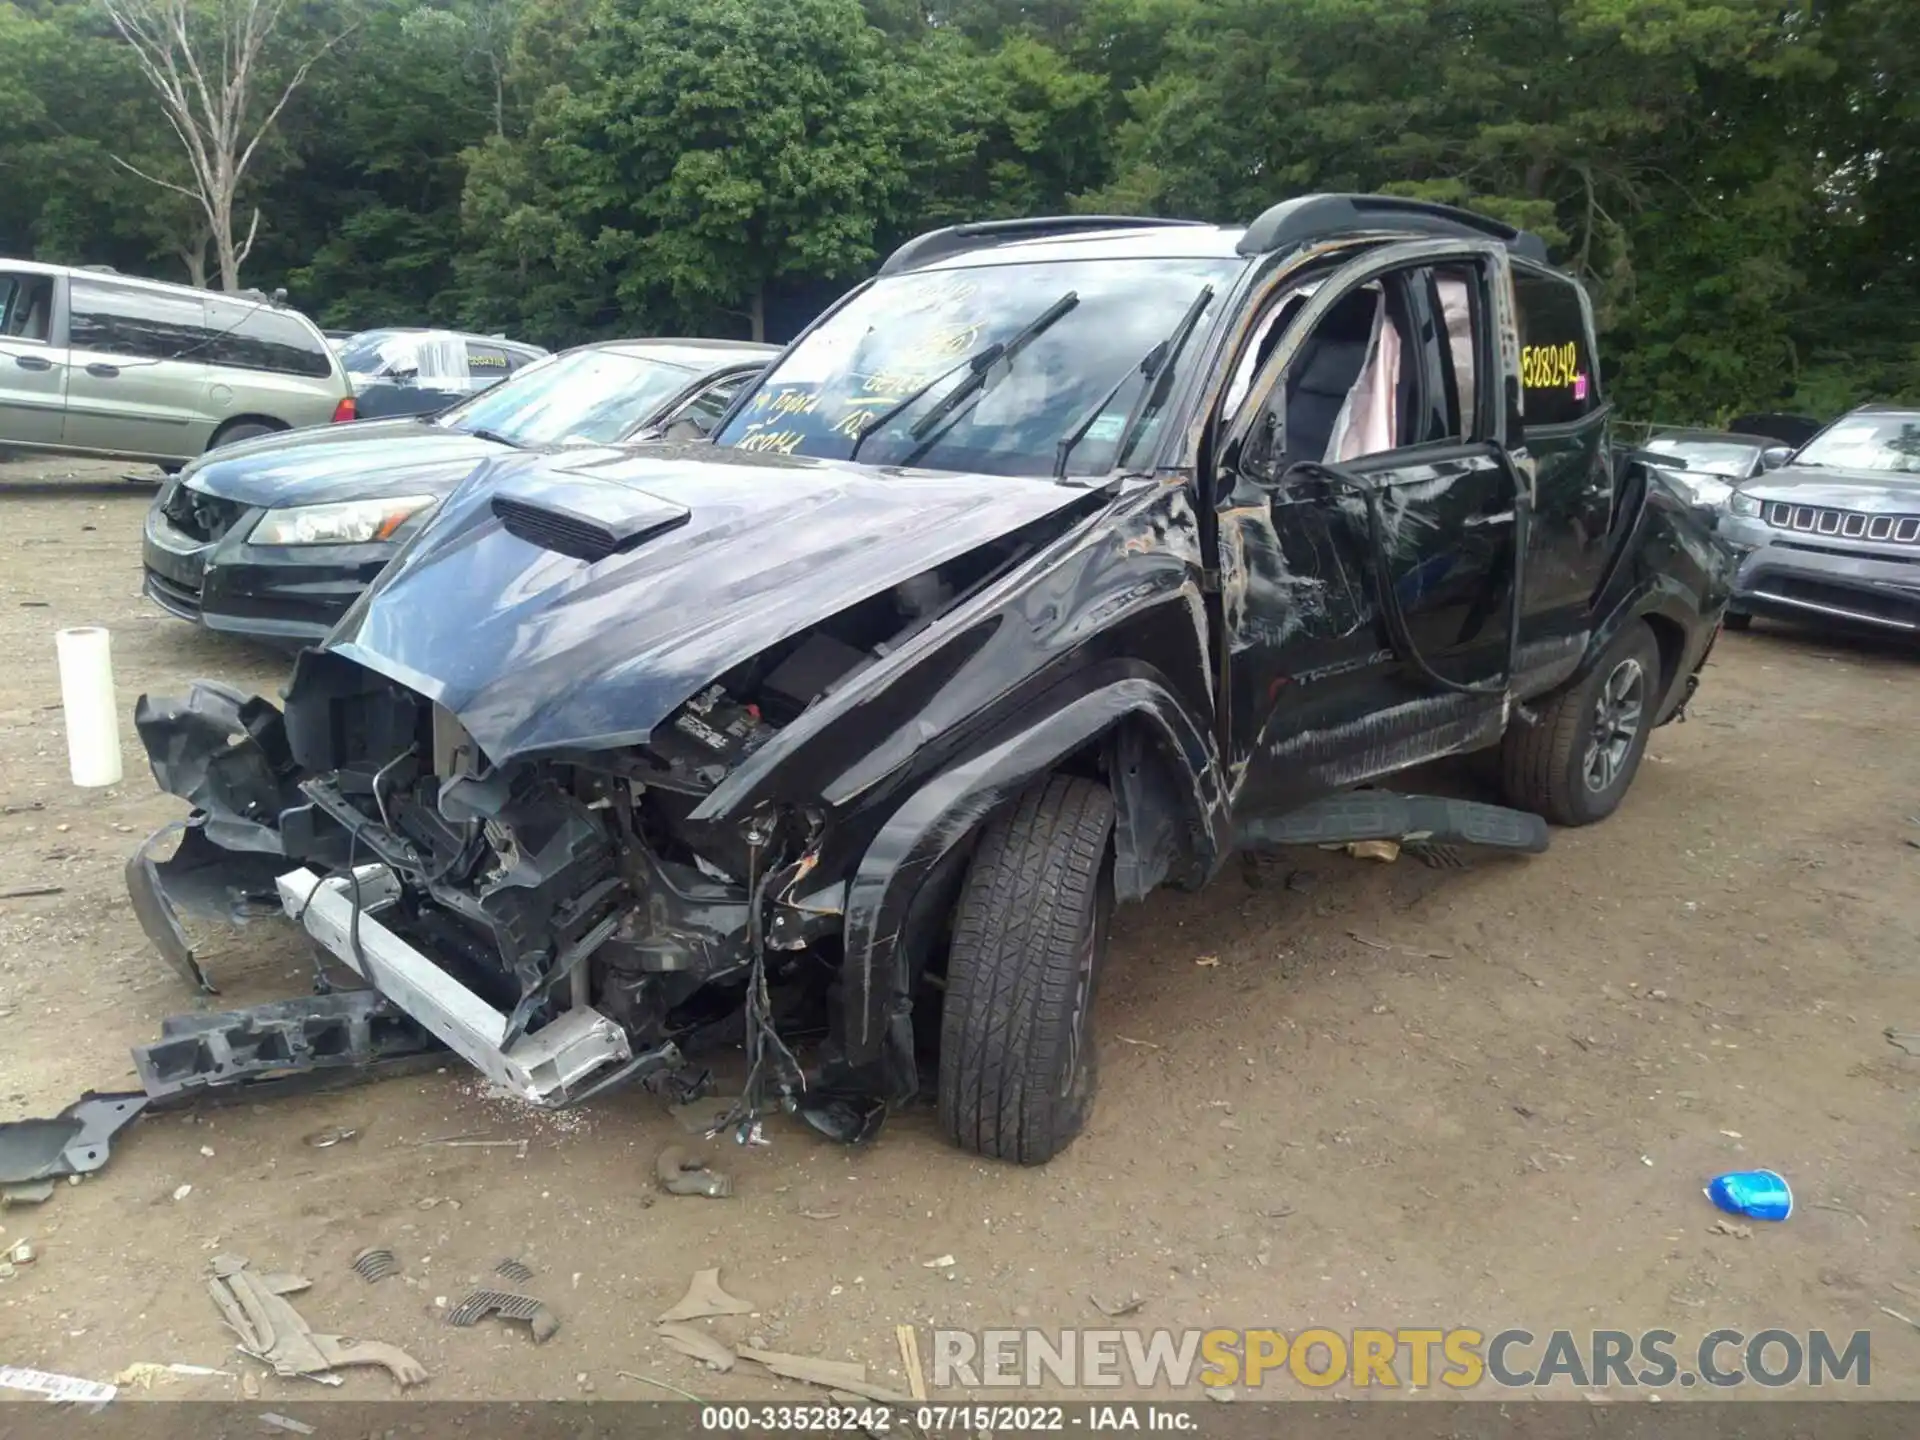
<point x="93" y="362"/>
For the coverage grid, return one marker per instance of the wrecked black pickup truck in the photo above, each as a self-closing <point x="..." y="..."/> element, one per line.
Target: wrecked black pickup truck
<point x="1055" y="563"/>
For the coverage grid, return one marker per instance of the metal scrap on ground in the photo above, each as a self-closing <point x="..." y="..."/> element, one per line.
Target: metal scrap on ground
<point x="508" y="1306"/>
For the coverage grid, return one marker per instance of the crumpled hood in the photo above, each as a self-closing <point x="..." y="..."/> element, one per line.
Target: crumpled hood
<point x="534" y="650"/>
<point x="366" y="460"/>
<point x="1874" y="492"/>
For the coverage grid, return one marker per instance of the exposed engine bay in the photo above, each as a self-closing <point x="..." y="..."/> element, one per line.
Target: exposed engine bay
<point x="562" y="921"/>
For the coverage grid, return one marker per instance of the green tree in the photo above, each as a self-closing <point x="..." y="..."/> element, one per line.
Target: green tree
<point x="715" y="148"/>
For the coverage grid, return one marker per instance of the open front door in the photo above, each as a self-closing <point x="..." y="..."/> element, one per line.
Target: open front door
<point x="1360" y="477"/>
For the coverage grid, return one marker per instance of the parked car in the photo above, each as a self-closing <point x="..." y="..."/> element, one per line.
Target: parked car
<point x="1792" y="431"/>
<point x="1833" y="537"/>
<point x="276" y="537"/>
<point x="97" y="363"/>
<point x="1058" y="562"/>
<point x="421" y="372"/>
<point x="1713" y="462"/>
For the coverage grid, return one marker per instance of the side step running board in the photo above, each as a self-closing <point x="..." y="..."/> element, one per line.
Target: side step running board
<point x="1431" y="823"/>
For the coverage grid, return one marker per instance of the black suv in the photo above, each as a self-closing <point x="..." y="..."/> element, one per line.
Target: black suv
<point x="1055" y="563"/>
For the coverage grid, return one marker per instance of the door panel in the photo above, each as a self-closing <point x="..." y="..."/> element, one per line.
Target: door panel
<point x="33" y="368"/>
<point x="1317" y="695"/>
<point x="127" y="394"/>
<point x="1566" y="429"/>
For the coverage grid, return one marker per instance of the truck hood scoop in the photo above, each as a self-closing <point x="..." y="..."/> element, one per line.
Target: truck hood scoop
<point x="559" y="602"/>
<point x="582" y="519"/>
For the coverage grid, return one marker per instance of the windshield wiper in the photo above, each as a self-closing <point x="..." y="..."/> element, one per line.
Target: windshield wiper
<point x="979" y="361"/>
<point x="1156" y="394"/>
<point x="496" y="437"/>
<point x="988" y="369"/>
<point x="1153" y="366"/>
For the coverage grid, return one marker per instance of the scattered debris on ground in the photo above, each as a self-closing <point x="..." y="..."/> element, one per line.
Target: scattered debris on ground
<point x="375" y="1263"/>
<point x="1383" y="850"/>
<point x="682" y="1174"/>
<point x="909" y="1340"/>
<point x="56" y="1387"/>
<point x="705" y="1298"/>
<point x="34" y="1192"/>
<point x="271" y="1330"/>
<point x="1753" y="1194"/>
<point x="508" y="1305"/>
<point x="146" y="1373"/>
<point x="74" y="1142"/>
<point x="696" y="1344"/>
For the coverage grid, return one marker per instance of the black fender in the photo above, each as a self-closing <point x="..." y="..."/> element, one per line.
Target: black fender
<point x="875" y="1029"/>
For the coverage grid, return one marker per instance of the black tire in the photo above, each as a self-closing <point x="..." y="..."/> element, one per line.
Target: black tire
<point x="1738" y="620"/>
<point x="1017" y="1063"/>
<point x="1555" y="768"/>
<point x="239" y="430"/>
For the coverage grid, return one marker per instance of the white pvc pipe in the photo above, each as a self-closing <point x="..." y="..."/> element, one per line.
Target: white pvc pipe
<point x="92" y="712"/>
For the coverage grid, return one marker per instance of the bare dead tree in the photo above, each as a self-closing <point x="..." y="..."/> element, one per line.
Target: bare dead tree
<point x="204" y="60"/>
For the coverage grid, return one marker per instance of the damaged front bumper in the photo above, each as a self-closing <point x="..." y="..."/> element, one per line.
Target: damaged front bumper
<point x="576" y="1054"/>
<point x="229" y="861"/>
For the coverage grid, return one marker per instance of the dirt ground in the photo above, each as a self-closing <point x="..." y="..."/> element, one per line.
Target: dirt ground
<point x="1334" y="1093"/>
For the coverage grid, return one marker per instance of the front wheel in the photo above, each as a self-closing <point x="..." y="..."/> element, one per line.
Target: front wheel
<point x="1017" y="1065"/>
<point x="1574" y="765"/>
<point x="1738" y="620"/>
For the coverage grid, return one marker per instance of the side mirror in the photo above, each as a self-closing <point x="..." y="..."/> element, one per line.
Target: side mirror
<point x="685" y="430"/>
<point x="1774" y="456"/>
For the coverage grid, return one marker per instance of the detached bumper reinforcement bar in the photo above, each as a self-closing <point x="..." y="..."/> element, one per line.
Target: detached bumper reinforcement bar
<point x="547" y="1066"/>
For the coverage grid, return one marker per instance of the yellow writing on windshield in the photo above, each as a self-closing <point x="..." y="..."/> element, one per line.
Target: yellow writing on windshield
<point x="775" y="442"/>
<point x="785" y="401"/>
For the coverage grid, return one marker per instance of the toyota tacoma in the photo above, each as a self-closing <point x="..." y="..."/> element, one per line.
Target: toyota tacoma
<point x="1057" y="562"/>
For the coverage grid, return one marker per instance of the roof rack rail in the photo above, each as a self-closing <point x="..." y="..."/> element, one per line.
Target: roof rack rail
<point x="1315" y="217"/>
<point x="980" y="234"/>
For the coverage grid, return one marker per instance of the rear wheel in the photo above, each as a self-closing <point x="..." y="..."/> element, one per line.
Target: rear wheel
<point x="1575" y="764"/>
<point x="1017" y="1064"/>
<point x="238" y="430"/>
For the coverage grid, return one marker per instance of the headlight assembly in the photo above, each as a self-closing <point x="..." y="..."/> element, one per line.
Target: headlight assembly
<point x="346" y="522"/>
<point x="1744" y="505"/>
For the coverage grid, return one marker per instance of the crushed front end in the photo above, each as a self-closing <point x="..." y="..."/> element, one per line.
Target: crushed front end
<point x="549" y="920"/>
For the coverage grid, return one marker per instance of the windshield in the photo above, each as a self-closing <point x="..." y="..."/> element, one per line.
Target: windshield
<point x="1072" y="333"/>
<point x="587" y="397"/>
<point x="1866" y="442"/>
<point x="429" y="356"/>
<point x="1715" y="457"/>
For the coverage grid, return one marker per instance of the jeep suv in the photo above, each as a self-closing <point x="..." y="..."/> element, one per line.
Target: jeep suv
<point x="97" y="363"/>
<point x="1057" y="562"/>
